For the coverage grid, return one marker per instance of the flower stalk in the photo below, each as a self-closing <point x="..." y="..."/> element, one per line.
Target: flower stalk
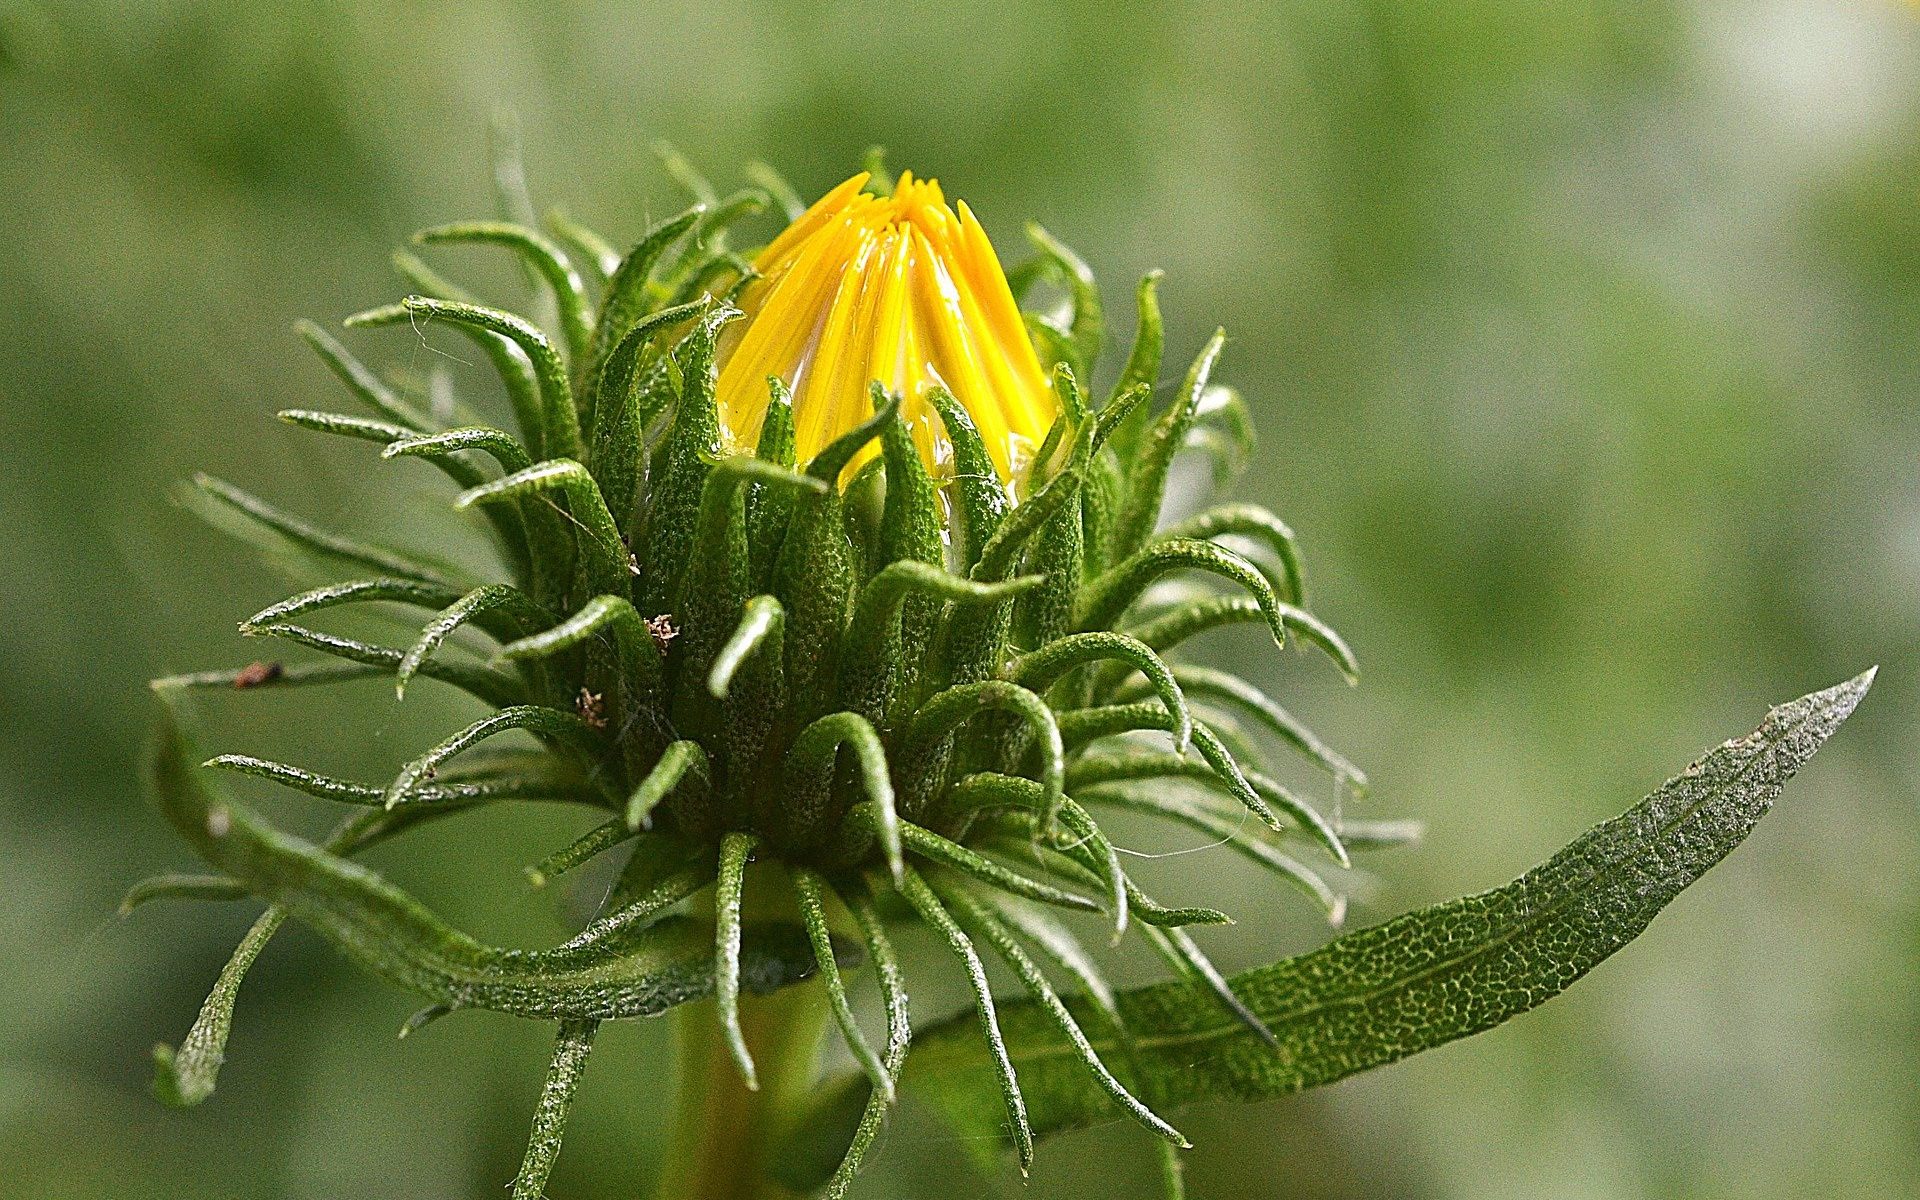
<point x="724" y="1133"/>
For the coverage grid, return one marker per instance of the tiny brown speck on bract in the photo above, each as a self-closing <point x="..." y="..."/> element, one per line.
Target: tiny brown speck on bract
<point x="257" y="674"/>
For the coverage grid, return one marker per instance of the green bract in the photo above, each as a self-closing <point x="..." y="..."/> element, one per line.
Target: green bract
<point x="913" y="695"/>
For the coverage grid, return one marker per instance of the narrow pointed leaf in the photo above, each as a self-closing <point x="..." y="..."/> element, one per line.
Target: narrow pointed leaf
<point x="985" y="1021"/>
<point x="893" y="993"/>
<point x="257" y="675"/>
<point x="361" y="380"/>
<point x="559" y="422"/>
<point x="985" y="925"/>
<point x="626" y="299"/>
<point x="175" y="885"/>
<point x="398" y="591"/>
<point x="677" y="762"/>
<point x="1108" y="597"/>
<point x="1111" y="768"/>
<point x="940" y="716"/>
<point x="1416" y="982"/>
<point x="1246" y="698"/>
<point x="570" y="1050"/>
<point x="810" y="766"/>
<point x="1228" y="830"/>
<point x="303" y="545"/>
<point x="597" y="534"/>
<point x="1142" y="370"/>
<point x="690" y="448"/>
<point x="184" y="1077"/>
<point x="982" y="500"/>
<point x="775" y="184"/>
<point x="1256" y="524"/>
<point x="1087" y="326"/>
<point x="1039" y="669"/>
<point x="628" y="392"/>
<point x="549" y="723"/>
<point x="501" y="445"/>
<point x="490" y="686"/>
<point x="546" y="259"/>
<point x="366" y="430"/>
<point x="593" y="252"/>
<point x="510" y="780"/>
<point x="614" y="969"/>
<point x="932" y="846"/>
<point x="519" y="611"/>
<point x="1147" y="480"/>
<point x="594" y="842"/>
<point x="810" y="890"/>
<point x="735" y="851"/>
<point x="1189" y="962"/>
<point x="762" y="620"/>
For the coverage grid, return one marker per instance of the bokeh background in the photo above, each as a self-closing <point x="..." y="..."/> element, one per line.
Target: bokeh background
<point x="1585" y="340"/>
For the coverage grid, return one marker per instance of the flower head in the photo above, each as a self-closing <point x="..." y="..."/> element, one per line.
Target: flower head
<point x="897" y="289"/>
<point x="752" y="674"/>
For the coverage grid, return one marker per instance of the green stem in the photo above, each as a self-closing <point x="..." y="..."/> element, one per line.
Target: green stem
<point x="722" y="1133"/>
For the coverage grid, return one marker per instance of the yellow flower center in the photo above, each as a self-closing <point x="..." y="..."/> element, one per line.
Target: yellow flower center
<point x="896" y="289"/>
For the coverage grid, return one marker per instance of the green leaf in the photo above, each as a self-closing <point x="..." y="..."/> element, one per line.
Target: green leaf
<point x="736" y="850"/>
<point x="303" y="548"/>
<point x="488" y="685"/>
<point x="769" y="509"/>
<point x="620" y="966"/>
<point x="711" y="595"/>
<point x="1148" y="467"/>
<point x="809" y="771"/>
<point x="1258" y="525"/>
<point x="509" y="362"/>
<point x="1416" y="982"/>
<point x="810" y="891"/>
<point x="547" y="260"/>
<point x="367" y="430"/>
<point x="183" y="1078"/>
<point x="983" y="1019"/>
<point x="176" y="885"/>
<point x="1086" y="328"/>
<point x="692" y="443"/>
<point x="980" y="502"/>
<point x="595" y="254"/>
<point x="1142" y="369"/>
<point x="548" y="724"/>
<point x="525" y="777"/>
<point x="762" y="620"/>
<point x="597" y="536"/>
<point x="399" y="591"/>
<point x="626" y="299"/>
<point x="360" y="379"/>
<point x="571" y="1047"/>
<point x="775" y="184"/>
<point x="501" y="445"/>
<point x="594" y="842"/>
<point x="876" y="639"/>
<point x="559" y="425"/>
<point x="628" y="391"/>
<point x="677" y="762"/>
<point x="473" y="607"/>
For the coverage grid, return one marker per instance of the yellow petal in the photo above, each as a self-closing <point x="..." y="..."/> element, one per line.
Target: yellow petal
<point x="895" y="289"/>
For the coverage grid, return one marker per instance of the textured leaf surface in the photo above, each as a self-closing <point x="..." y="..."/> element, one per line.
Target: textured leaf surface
<point x="1413" y="983"/>
<point x="617" y="968"/>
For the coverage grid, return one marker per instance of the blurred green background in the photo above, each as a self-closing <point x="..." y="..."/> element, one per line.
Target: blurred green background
<point x="1585" y="339"/>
